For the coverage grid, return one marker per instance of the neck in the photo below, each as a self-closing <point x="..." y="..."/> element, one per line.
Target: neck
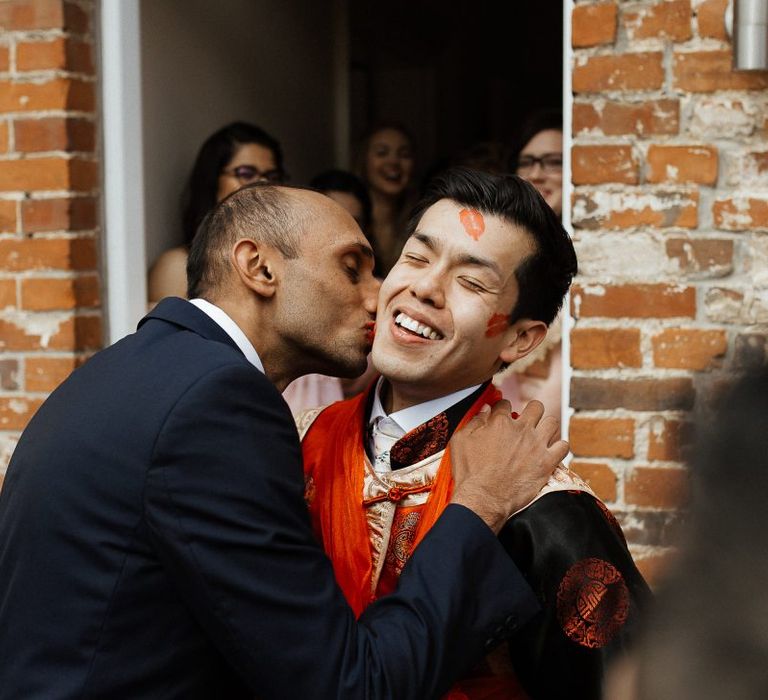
<point x="396" y="397"/>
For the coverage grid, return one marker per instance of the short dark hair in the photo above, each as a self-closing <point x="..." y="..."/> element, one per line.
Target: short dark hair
<point x="535" y="122"/>
<point x="544" y="276"/>
<point x="344" y="181"/>
<point x="214" y="154"/>
<point x="262" y="212"/>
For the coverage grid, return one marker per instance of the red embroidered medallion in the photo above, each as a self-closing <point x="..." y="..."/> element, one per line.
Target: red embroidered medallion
<point x="592" y="602"/>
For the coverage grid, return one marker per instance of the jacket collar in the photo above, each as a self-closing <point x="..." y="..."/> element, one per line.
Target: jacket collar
<point x="185" y="315"/>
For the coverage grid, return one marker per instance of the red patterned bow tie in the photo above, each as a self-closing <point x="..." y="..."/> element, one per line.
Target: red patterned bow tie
<point x="421" y="442"/>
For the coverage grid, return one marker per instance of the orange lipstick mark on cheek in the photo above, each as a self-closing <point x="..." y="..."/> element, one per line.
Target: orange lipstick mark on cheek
<point x="370" y="331"/>
<point x="473" y="223"/>
<point x="497" y="324"/>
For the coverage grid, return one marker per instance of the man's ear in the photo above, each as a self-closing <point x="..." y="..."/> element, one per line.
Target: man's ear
<point x="524" y="336"/>
<point x="255" y="264"/>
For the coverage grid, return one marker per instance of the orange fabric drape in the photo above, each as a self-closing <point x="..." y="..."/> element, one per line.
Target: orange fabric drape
<point x="334" y="462"/>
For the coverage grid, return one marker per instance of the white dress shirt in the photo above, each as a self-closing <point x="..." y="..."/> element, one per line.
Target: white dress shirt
<point x="222" y="319"/>
<point x="387" y="429"/>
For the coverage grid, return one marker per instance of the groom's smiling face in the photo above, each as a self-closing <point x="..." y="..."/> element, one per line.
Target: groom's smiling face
<point x="442" y="321"/>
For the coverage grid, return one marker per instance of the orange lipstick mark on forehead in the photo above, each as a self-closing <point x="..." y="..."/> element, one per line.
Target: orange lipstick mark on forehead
<point x="473" y="223"/>
<point x="497" y="324"/>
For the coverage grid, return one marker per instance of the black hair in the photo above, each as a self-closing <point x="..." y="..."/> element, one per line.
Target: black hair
<point x="544" y="276"/>
<point x="344" y="181"/>
<point x="541" y="120"/>
<point x="260" y="211"/>
<point x="218" y="150"/>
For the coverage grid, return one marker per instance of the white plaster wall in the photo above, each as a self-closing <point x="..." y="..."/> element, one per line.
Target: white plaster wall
<point x="204" y="64"/>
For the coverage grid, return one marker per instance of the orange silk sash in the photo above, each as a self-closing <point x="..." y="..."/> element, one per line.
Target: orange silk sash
<point x="334" y="468"/>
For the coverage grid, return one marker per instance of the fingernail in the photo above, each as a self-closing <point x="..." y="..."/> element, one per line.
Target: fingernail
<point x="486" y="408"/>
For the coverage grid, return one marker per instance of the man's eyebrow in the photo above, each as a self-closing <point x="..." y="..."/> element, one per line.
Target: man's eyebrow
<point x="363" y="248"/>
<point x="464" y="259"/>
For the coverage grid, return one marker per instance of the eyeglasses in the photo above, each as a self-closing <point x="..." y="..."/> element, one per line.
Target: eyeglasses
<point x="549" y="162"/>
<point x="246" y="174"/>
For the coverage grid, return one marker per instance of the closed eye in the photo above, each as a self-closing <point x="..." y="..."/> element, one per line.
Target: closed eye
<point x="471" y="284"/>
<point x="416" y="258"/>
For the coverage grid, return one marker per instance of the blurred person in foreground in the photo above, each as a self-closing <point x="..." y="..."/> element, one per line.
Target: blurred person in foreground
<point x="482" y="274"/>
<point x="154" y="540"/>
<point x="707" y="636"/>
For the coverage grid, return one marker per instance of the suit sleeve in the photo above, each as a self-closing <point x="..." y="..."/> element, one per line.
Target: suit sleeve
<point x="224" y="503"/>
<point x="573" y="553"/>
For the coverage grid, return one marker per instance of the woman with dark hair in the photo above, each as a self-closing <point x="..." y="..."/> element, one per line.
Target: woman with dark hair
<point x="385" y="163"/>
<point x="236" y="155"/>
<point x="537" y="156"/>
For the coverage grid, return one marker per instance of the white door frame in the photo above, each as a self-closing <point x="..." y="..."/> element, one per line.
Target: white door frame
<point x="566" y="411"/>
<point x="123" y="249"/>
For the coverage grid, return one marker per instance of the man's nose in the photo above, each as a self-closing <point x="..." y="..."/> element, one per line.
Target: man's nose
<point x="371" y="295"/>
<point x="429" y="288"/>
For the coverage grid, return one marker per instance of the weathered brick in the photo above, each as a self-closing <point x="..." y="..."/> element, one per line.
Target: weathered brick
<point x="60" y="93"/>
<point x="598" y="164"/>
<point x="78" y="333"/>
<point x="702" y="257"/>
<point x="710" y="19"/>
<point x="54" y="134"/>
<point x="750" y="352"/>
<point x="654" y="528"/>
<point x="667" y="394"/>
<point x="7" y="295"/>
<point x="49" y="173"/>
<point x="748" y="170"/>
<point x="633" y="301"/>
<point x="599" y="476"/>
<point x="25" y="15"/>
<point x="46" y="373"/>
<point x="707" y="71"/>
<point x="724" y="305"/>
<point x="60" y="53"/>
<point x="9" y="375"/>
<point x="678" y="348"/>
<point x="670" y="19"/>
<point x="613" y="118"/>
<point x="741" y="213"/>
<point x="593" y="24"/>
<point x="4" y="141"/>
<point x="16" y="412"/>
<point x="682" y="164"/>
<point x="629" y="208"/>
<point x="71" y="214"/>
<point x="7" y="216"/>
<point x="20" y="255"/>
<point x="717" y="116"/>
<point x="54" y="293"/>
<point x="76" y="18"/>
<point x="668" y="439"/>
<point x="5" y="63"/>
<point x="657" y="487"/>
<point x="629" y="71"/>
<point x="600" y="348"/>
<point x="602" y="437"/>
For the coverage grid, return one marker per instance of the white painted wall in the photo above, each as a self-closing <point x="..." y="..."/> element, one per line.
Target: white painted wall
<point x="204" y="64"/>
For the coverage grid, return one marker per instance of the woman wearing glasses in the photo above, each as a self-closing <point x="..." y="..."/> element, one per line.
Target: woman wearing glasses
<point x="235" y="155"/>
<point x="538" y="157"/>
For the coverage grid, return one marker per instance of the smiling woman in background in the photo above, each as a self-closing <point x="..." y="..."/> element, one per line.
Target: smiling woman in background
<point x="386" y="166"/>
<point x="236" y="155"/>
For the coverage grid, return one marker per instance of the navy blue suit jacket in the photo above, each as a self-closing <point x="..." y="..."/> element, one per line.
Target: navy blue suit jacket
<point x="154" y="543"/>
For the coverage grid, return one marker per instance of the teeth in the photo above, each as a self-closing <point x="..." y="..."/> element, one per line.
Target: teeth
<point x="413" y="325"/>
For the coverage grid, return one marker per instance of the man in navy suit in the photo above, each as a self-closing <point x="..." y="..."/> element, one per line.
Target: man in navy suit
<point x="154" y="541"/>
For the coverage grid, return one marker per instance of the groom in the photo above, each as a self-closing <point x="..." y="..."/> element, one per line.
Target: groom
<point x="154" y="541"/>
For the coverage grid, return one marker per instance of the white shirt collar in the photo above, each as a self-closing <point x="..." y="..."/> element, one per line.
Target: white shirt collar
<point x="409" y="418"/>
<point x="231" y="329"/>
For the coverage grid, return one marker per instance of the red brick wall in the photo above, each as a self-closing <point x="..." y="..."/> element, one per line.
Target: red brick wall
<point x="50" y="316"/>
<point x="670" y="217"/>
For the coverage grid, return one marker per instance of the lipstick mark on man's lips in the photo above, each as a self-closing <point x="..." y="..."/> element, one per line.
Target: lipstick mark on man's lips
<point x="370" y="330"/>
<point x="497" y="324"/>
<point x="473" y="223"/>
